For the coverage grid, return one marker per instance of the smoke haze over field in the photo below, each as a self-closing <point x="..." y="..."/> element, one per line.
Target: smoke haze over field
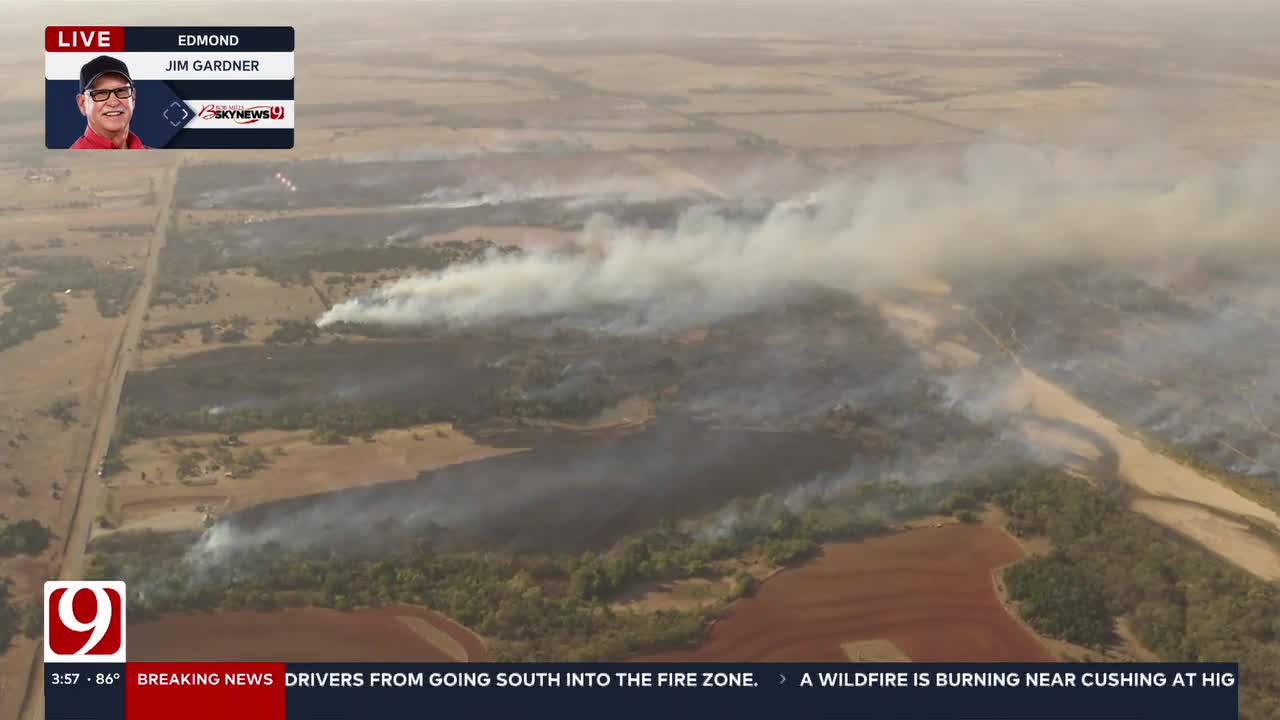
<point x="1009" y="206"/>
<point x="1005" y="209"/>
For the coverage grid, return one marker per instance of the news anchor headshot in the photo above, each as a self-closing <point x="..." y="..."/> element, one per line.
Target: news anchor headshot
<point x="106" y="100"/>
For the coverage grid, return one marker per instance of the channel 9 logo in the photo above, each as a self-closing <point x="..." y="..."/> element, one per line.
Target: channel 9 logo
<point x="84" y="621"/>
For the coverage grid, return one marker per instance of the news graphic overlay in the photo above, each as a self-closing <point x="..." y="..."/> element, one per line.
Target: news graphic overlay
<point x="86" y="677"/>
<point x="143" y="88"/>
<point x="84" y="621"/>
<point x="861" y="691"/>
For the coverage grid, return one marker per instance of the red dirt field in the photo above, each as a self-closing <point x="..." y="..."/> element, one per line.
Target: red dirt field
<point x="306" y="635"/>
<point x="928" y="591"/>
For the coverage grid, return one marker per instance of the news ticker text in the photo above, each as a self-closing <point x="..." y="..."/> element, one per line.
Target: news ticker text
<point x="307" y="691"/>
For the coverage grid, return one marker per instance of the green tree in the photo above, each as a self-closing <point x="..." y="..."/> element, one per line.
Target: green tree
<point x="26" y="537"/>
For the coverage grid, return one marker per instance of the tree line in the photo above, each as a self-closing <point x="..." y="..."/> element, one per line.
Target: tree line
<point x="25" y="537"/>
<point x="1108" y="562"/>
<point x="11" y="615"/>
<point x="529" y="607"/>
<point x="336" y="421"/>
<point x="297" y="268"/>
<point x="1183" y="603"/>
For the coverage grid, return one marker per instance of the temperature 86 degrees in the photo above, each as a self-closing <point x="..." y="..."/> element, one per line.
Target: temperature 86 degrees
<point x="74" y="678"/>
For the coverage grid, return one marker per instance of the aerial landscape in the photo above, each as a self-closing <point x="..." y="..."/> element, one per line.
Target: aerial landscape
<point x="811" y="331"/>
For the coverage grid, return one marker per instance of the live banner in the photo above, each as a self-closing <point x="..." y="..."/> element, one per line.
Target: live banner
<point x="192" y="87"/>
<point x="879" y="691"/>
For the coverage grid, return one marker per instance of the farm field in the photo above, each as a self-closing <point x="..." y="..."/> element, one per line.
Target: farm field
<point x="392" y="634"/>
<point x="928" y="594"/>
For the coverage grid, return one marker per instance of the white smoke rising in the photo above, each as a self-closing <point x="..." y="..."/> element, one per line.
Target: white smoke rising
<point x="950" y="463"/>
<point x="1007" y="207"/>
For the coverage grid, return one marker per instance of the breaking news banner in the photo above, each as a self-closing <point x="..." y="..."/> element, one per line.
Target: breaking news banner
<point x="901" y="691"/>
<point x="168" y="87"/>
<point x="87" y="676"/>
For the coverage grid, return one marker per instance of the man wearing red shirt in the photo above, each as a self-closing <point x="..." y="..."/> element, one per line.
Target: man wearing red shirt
<point x="106" y="100"/>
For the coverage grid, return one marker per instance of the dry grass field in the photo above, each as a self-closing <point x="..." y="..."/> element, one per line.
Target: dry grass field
<point x="241" y="293"/>
<point x="295" y="466"/>
<point x="1175" y="495"/>
<point x="41" y="459"/>
<point x="818" y="130"/>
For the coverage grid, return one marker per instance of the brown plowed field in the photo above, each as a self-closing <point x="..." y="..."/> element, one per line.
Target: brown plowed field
<point x="929" y="592"/>
<point x="393" y="634"/>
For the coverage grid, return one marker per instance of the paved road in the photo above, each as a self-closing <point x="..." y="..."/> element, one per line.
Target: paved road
<point x="77" y="537"/>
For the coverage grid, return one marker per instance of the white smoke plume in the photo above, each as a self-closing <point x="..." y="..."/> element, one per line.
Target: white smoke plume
<point x="951" y="463"/>
<point x="1006" y="206"/>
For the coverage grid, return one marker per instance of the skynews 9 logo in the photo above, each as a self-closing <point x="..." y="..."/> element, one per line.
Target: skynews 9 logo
<point x="241" y="114"/>
<point x="84" y="621"/>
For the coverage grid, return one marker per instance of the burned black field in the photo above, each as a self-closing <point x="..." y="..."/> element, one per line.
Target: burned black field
<point x="1168" y="361"/>
<point x="234" y="244"/>
<point x="448" y="374"/>
<point x="759" y="404"/>
<point x="464" y="378"/>
<point x="566" y="495"/>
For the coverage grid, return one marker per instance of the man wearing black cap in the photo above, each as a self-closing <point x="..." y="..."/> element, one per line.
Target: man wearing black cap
<point x="106" y="100"/>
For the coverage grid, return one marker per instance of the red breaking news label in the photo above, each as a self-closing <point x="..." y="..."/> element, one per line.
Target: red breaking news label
<point x="83" y="38"/>
<point x="204" y="691"/>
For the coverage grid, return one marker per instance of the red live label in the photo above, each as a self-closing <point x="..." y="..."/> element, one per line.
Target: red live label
<point x="74" y="38"/>
<point x="204" y="691"/>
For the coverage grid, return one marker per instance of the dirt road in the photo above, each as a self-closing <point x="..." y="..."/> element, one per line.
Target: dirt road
<point x="70" y="559"/>
<point x="1170" y="493"/>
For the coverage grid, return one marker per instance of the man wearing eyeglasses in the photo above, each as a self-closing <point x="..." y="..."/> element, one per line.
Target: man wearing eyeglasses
<point x="106" y="100"/>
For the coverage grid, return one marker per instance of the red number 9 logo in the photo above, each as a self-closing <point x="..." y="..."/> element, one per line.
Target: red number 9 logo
<point x="84" y="621"/>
